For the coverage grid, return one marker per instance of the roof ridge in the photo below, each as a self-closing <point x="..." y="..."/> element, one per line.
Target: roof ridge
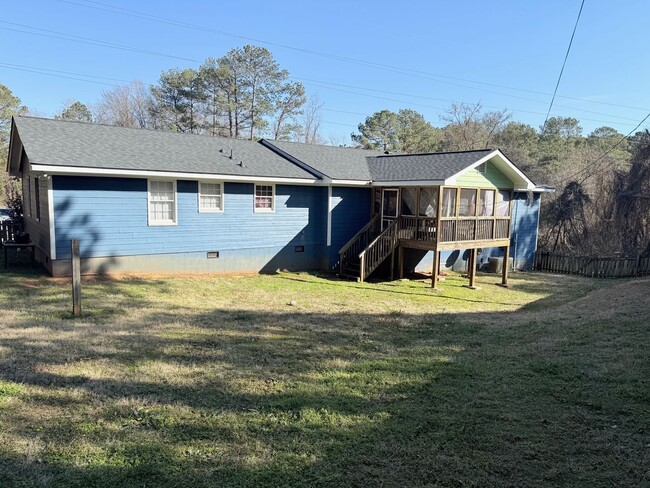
<point x="144" y="129"/>
<point x="433" y="153"/>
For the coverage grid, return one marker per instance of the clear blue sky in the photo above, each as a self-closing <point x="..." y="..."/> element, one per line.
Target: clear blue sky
<point x="505" y="54"/>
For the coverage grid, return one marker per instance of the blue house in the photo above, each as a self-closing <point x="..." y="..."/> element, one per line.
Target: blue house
<point x="143" y="201"/>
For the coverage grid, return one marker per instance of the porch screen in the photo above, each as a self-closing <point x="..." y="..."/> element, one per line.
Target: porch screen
<point x="428" y="202"/>
<point x="467" y="204"/>
<point x="409" y="198"/>
<point x="449" y="202"/>
<point x="503" y="203"/>
<point x="486" y="203"/>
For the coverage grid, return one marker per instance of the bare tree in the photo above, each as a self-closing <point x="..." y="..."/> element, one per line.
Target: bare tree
<point x="468" y="128"/>
<point x="126" y="106"/>
<point x="310" y="122"/>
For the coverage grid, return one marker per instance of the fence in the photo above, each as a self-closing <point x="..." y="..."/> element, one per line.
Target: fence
<point x="9" y="230"/>
<point x="597" y="267"/>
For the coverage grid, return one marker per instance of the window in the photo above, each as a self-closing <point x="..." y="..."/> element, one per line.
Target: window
<point x="27" y="199"/>
<point x="503" y="203"/>
<point x="162" y="202"/>
<point x="210" y="197"/>
<point x="467" y="203"/>
<point x="264" y="198"/>
<point x="449" y="202"/>
<point x="377" y="201"/>
<point x="37" y="199"/>
<point x="486" y="203"/>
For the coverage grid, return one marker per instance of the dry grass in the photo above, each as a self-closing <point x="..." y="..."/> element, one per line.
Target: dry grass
<point x="217" y="381"/>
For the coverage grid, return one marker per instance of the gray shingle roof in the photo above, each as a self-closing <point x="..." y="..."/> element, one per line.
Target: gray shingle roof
<point x="66" y="143"/>
<point x="417" y="167"/>
<point x="340" y="163"/>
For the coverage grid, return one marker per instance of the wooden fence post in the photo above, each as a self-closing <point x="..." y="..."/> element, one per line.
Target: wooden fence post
<point x="76" y="277"/>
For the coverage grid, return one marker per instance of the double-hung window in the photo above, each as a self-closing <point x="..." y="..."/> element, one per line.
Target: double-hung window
<point x="162" y="202"/>
<point x="210" y="197"/>
<point x="264" y="198"/>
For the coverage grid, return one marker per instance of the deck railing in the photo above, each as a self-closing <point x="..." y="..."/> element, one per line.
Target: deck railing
<point x="417" y="229"/>
<point x="474" y="228"/>
<point x="9" y="231"/>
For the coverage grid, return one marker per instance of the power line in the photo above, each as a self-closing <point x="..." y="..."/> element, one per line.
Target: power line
<point x="85" y="40"/>
<point x="566" y="56"/>
<point x="406" y="71"/>
<point x="320" y="84"/>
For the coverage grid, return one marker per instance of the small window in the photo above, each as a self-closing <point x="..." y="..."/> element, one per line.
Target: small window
<point x="210" y="197"/>
<point x="264" y="198"/>
<point x="37" y="199"/>
<point x="162" y="202"/>
<point x="27" y="199"/>
<point x="449" y="202"/>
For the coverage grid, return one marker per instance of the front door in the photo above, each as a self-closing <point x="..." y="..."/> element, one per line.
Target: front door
<point x="389" y="206"/>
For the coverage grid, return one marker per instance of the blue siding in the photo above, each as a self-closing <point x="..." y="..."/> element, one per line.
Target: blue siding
<point x="109" y="216"/>
<point x="523" y="241"/>
<point x="350" y="212"/>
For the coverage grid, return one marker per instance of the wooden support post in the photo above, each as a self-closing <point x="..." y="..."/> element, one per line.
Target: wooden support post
<point x="400" y="258"/>
<point x="392" y="265"/>
<point x="506" y="259"/>
<point x="435" y="268"/>
<point x="76" y="278"/>
<point x="472" y="269"/>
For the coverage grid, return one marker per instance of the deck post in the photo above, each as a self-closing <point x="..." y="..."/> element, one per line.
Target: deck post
<point x="392" y="265"/>
<point x="435" y="268"/>
<point x="76" y="277"/>
<point x="506" y="257"/>
<point x="472" y="268"/>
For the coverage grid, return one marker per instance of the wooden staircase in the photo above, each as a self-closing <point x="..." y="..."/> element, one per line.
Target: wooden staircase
<point x="368" y="249"/>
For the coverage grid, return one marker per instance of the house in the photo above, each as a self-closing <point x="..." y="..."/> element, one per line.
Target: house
<point x="145" y="201"/>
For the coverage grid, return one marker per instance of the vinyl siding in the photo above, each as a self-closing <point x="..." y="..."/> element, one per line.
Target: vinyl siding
<point x="350" y="212"/>
<point x="109" y="217"/>
<point x="493" y="178"/>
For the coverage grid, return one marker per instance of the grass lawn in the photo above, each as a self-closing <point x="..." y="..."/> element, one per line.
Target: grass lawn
<point x="210" y="381"/>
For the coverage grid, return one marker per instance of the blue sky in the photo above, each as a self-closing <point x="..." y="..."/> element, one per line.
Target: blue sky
<point x="422" y="55"/>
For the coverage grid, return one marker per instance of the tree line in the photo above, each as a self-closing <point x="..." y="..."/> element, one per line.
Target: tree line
<point x="602" y="180"/>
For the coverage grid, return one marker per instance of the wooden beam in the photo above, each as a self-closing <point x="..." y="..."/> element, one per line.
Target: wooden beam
<point x="392" y="265"/>
<point x="504" y="277"/>
<point x="435" y="269"/>
<point x="472" y="268"/>
<point x="76" y="277"/>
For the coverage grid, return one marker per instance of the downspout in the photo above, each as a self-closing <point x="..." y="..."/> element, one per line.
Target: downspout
<point x="516" y="236"/>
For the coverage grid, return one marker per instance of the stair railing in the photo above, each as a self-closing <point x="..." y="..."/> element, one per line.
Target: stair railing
<point x="358" y="243"/>
<point x="379" y="249"/>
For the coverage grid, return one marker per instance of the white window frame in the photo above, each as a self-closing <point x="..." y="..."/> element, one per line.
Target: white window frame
<point x="27" y="197"/>
<point x="211" y="210"/>
<point x="264" y="210"/>
<point x="158" y="223"/>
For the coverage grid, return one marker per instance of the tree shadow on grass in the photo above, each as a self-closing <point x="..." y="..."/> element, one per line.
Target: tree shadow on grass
<point x="255" y="398"/>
